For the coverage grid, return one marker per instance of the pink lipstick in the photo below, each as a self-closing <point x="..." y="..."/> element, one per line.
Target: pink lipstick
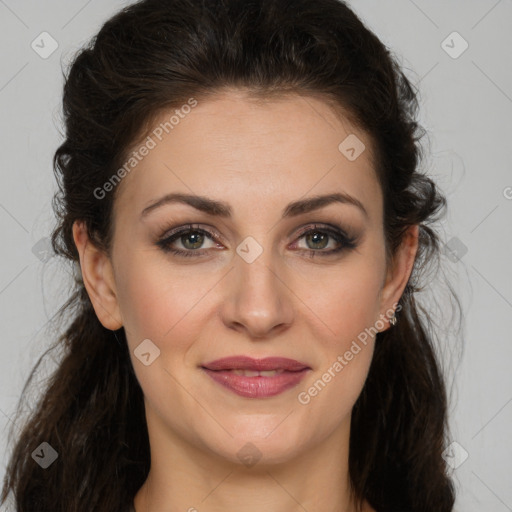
<point x="256" y="378"/>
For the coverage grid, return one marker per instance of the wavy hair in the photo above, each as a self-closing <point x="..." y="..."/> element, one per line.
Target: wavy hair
<point x="152" y="56"/>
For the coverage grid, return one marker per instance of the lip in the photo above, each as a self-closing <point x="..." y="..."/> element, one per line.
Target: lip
<point x="248" y="363"/>
<point x="290" y="373"/>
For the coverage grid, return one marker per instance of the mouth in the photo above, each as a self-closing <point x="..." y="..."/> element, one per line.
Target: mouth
<point x="257" y="365"/>
<point x="254" y="373"/>
<point x="256" y="378"/>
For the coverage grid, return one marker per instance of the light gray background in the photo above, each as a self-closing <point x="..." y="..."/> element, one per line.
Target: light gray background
<point x="466" y="107"/>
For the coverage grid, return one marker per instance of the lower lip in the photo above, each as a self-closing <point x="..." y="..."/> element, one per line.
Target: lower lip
<point x="257" y="387"/>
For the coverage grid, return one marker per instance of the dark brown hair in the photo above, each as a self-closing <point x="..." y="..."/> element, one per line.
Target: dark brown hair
<point x="155" y="55"/>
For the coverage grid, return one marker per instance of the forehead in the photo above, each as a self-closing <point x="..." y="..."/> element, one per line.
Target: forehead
<point x="251" y="152"/>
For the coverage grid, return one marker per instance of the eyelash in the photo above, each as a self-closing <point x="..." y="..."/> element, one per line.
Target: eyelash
<point x="345" y="241"/>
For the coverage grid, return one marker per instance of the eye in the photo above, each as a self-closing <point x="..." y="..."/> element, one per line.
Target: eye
<point x="317" y="239"/>
<point x="191" y="239"/>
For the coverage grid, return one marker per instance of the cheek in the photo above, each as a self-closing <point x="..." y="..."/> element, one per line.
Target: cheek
<point x="351" y="313"/>
<point x="154" y="301"/>
<point x="348" y="305"/>
<point x="345" y="300"/>
<point x="164" y="306"/>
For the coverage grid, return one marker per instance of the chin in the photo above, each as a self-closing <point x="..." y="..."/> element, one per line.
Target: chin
<point x="258" y="453"/>
<point x="258" y="442"/>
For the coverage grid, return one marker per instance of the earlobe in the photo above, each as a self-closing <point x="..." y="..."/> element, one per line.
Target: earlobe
<point x="98" y="278"/>
<point x="400" y="270"/>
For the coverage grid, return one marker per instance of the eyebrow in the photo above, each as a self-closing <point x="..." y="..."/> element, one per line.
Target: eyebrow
<point x="222" y="209"/>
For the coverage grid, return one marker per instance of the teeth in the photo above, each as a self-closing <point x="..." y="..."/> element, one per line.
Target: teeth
<point x="252" y="373"/>
<point x="270" y="373"/>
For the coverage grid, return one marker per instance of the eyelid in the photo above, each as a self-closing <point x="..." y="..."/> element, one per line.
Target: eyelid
<point x="325" y="226"/>
<point x="344" y="240"/>
<point x="191" y="226"/>
<point x="210" y="230"/>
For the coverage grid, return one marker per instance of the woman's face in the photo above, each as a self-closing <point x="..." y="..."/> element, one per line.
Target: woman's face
<point x="254" y="277"/>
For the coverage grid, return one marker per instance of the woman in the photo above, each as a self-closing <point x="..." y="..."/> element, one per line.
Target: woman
<point x="240" y="196"/>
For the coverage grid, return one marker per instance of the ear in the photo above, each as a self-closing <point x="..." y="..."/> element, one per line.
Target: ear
<point x="98" y="278"/>
<point x="399" y="271"/>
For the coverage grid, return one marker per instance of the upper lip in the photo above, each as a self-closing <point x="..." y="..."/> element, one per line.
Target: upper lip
<point x="248" y="363"/>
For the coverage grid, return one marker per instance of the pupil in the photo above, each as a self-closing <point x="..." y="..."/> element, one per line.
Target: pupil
<point x="197" y="243"/>
<point x="319" y="238"/>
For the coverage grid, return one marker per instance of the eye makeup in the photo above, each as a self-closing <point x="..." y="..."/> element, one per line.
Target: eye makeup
<point x="195" y="235"/>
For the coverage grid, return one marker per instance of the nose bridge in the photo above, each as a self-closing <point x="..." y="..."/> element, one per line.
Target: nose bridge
<point x="259" y="300"/>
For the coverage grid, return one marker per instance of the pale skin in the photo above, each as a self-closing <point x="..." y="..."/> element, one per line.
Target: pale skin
<point x="257" y="158"/>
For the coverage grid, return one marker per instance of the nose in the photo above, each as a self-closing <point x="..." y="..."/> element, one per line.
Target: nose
<point x="258" y="300"/>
